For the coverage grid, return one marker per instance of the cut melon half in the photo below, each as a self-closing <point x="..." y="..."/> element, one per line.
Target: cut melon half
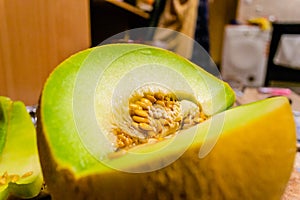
<point x="243" y="153"/>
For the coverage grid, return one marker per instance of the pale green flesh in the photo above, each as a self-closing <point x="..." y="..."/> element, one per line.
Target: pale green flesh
<point x="57" y="112"/>
<point x="20" y="154"/>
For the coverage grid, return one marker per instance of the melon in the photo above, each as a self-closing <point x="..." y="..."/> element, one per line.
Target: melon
<point x="130" y="121"/>
<point x="20" y="170"/>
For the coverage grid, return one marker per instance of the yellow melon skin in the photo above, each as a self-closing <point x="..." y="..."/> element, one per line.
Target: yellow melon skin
<point x="252" y="159"/>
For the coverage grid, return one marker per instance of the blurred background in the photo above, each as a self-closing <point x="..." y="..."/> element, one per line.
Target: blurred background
<point x="253" y="42"/>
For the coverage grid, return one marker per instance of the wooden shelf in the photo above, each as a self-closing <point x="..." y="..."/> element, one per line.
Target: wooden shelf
<point x="129" y="8"/>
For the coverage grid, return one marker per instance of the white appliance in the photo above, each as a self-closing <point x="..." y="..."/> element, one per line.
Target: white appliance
<point x="245" y="55"/>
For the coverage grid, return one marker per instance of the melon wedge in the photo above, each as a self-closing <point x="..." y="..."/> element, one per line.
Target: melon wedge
<point x="243" y="153"/>
<point x="252" y="159"/>
<point x="20" y="171"/>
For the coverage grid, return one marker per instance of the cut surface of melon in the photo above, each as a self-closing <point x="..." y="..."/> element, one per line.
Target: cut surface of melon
<point x="88" y="90"/>
<point x="20" y="170"/>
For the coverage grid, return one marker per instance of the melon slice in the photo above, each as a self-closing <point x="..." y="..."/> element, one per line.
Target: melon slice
<point x="88" y="101"/>
<point x="20" y="171"/>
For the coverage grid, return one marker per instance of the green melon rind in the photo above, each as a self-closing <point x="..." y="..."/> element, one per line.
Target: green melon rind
<point x="20" y="153"/>
<point x="56" y="114"/>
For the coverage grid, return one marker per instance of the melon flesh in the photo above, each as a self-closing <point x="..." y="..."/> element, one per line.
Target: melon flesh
<point x="19" y="154"/>
<point x="81" y="90"/>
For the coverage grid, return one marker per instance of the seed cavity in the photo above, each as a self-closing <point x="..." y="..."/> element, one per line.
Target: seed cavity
<point x="155" y="115"/>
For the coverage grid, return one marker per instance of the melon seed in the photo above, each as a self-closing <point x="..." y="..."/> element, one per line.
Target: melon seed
<point x="133" y="106"/>
<point x="140" y="119"/>
<point x="142" y="104"/>
<point x="14" y="178"/>
<point x="146" y="101"/>
<point x="160" y="102"/>
<point x="151" y="98"/>
<point x="159" y="96"/>
<point x="26" y="174"/>
<point x="145" y="127"/>
<point x="3" y="180"/>
<point x="141" y="113"/>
